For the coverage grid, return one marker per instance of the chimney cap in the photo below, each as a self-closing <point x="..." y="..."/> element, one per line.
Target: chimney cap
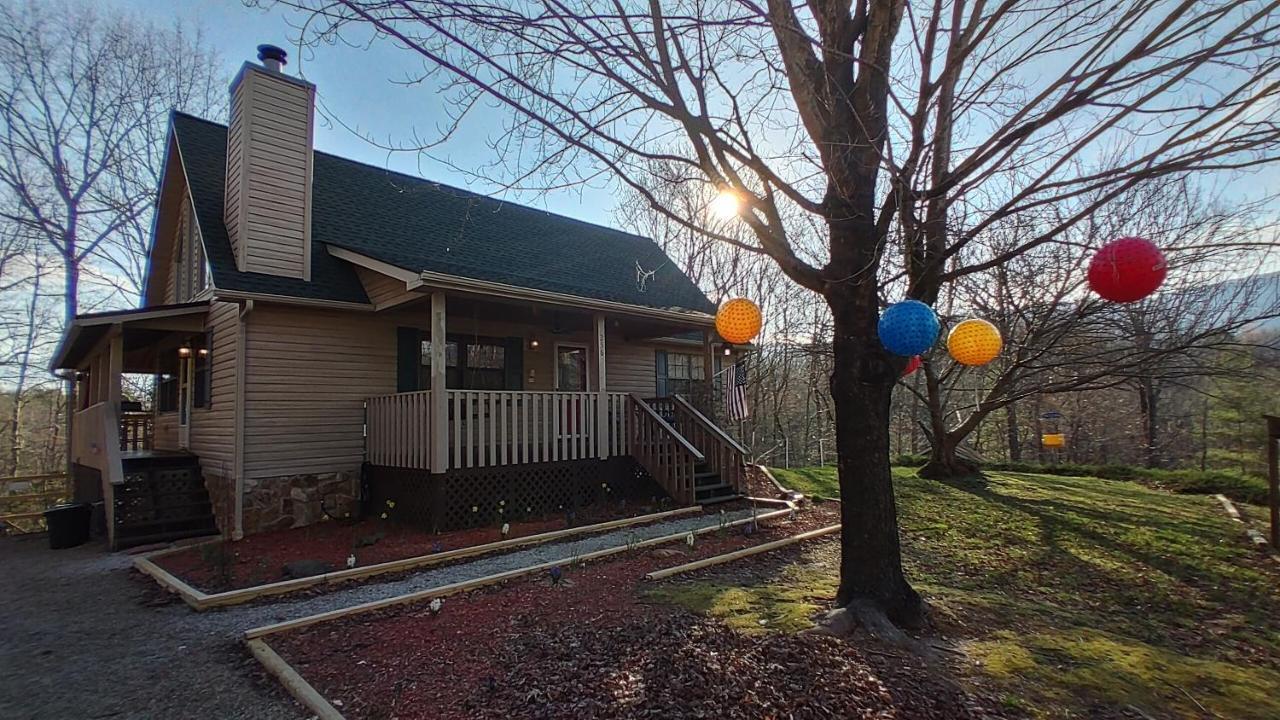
<point x="268" y="53"/>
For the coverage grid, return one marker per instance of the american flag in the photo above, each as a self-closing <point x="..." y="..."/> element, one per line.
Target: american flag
<point x="735" y="396"/>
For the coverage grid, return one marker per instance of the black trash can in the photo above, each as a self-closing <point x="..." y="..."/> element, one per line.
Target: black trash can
<point x="68" y="525"/>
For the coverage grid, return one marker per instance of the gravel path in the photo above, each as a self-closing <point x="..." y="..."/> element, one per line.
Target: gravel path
<point x="76" y="640"/>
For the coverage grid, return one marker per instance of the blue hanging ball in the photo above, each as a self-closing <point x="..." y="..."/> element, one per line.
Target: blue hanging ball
<point x="908" y="328"/>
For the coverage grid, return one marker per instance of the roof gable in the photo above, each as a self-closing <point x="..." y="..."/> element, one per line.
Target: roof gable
<point x="421" y="225"/>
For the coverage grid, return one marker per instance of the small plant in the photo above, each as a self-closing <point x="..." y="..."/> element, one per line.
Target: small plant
<point x="690" y="540"/>
<point x="556" y="574"/>
<point x="724" y="522"/>
<point x="220" y="558"/>
<point x="633" y="540"/>
<point x="437" y="546"/>
<point x="351" y="561"/>
<point x="436" y="605"/>
<point x="506" y="530"/>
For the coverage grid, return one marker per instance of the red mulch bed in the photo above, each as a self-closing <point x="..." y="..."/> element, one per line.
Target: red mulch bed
<point x="260" y="559"/>
<point x="591" y="648"/>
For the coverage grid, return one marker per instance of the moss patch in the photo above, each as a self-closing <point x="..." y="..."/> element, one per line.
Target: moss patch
<point x="1078" y="595"/>
<point x="785" y="605"/>
<point x="1095" y="666"/>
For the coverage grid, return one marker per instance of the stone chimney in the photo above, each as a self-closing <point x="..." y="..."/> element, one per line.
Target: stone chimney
<point x="267" y="208"/>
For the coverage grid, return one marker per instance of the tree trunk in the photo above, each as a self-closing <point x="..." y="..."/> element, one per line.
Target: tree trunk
<point x="1015" y="444"/>
<point x="944" y="463"/>
<point x="862" y="381"/>
<point x="1147" y="402"/>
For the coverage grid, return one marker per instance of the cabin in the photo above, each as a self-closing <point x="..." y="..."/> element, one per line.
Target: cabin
<point x="328" y="338"/>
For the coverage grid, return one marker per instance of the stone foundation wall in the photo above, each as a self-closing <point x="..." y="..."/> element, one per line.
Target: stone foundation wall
<point x="290" y="501"/>
<point x="222" y="493"/>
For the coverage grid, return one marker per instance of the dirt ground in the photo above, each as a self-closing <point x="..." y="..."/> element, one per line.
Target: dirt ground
<point x="82" y="637"/>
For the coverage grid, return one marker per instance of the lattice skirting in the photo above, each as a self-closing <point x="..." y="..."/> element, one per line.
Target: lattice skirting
<point x="477" y="497"/>
<point x="160" y="494"/>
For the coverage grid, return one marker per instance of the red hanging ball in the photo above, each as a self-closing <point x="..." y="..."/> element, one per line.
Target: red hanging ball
<point x="1127" y="270"/>
<point x="912" y="365"/>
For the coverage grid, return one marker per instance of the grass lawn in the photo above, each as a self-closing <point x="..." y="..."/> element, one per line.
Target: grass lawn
<point x="1070" y="597"/>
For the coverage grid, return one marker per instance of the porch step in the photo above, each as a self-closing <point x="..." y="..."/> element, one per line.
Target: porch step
<point x="713" y="493"/>
<point x="146" y="533"/>
<point x="705" y="479"/>
<point x="719" y="499"/>
<point x="163" y="498"/>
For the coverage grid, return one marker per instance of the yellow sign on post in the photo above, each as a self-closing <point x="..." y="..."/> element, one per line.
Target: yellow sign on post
<point x="1053" y="440"/>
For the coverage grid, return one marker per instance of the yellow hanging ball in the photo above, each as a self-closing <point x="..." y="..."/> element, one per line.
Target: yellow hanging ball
<point x="739" y="321"/>
<point x="974" y="342"/>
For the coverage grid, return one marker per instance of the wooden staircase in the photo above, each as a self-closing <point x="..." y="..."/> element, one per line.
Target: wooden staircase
<point x="162" y="498"/>
<point x="690" y="457"/>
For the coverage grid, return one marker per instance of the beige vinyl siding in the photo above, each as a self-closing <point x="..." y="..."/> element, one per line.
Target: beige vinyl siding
<point x="383" y="290"/>
<point x="213" y="427"/>
<point x="629" y="367"/>
<point x="271" y="198"/>
<point x="307" y="375"/>
<point x="237" y="131"/>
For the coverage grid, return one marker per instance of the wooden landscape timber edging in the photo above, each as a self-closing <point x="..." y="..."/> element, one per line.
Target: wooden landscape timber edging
<point x="300" y="689"/>
<point x="1254" y="535"/>
<point x="739" y="554"/>
<point x="772" y="501"/>
<point x="463" y="586"/>
<point x="200" y="600"/>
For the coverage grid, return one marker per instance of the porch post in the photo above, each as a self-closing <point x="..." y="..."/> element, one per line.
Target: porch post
<point x="709" y="372"/>
<point x="115" y="367"/>
<point x="602" y="398"/>
<point x="439" y="396"/>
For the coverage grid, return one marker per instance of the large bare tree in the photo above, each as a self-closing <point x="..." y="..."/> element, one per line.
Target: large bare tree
<point x="84" y="105"/>
<point x="876" y="120"/>
<point x="1061" y="339"/>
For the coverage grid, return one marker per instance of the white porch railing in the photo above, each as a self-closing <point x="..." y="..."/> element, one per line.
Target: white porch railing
<point x="493" y="427"/>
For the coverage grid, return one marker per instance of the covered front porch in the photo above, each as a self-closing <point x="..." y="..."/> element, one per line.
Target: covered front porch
<point x="115" y="458"/>
<point x="560" y="386"/>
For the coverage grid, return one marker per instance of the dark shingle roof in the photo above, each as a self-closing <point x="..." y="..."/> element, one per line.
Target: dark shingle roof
<point x="420" y="225"/>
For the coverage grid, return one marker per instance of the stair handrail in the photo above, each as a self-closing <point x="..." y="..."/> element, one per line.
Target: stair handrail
<point x="666" y="427"/>
<point x="710" y="426"/>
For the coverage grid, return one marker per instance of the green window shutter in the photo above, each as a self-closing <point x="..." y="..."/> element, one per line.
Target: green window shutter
<point x="660" y="370"/>
<point x="513" y="357"/>
<point x="408" y="358"/>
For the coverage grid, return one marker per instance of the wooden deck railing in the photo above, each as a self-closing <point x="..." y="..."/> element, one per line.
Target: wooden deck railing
<point x="665" y="453"/>
<point x="398" y="430"/>
<point x="137" y="430"/>
<point x="725" y="455"/>
<point x="24" y="499"/>
<point x="493" y="427"/>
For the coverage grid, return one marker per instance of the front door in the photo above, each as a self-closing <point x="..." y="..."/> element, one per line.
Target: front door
<point x="186" y="367"/>
<point x="571" y="368"/>
<point x="571" y="376"/>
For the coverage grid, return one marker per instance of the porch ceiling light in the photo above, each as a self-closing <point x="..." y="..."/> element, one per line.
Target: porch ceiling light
<point x="728" y="351"/>
<point x="204" y="352"/>
<point x="533" y="343"/>
<point x="184" y="352"/>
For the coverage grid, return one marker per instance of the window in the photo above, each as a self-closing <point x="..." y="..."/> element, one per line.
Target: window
<point x="486" y="366"/>
<point x="685" y="372"/>
<point x="452" y="372"/>
<point x="473" y="363"/>
<point x="167" y="392"/>
<point x="201" y="351"/>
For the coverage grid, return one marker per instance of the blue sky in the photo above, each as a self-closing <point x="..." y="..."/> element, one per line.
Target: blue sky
<point x="355" y="85"/>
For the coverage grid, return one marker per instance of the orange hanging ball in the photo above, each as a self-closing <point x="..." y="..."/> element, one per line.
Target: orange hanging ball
<point x="738" y="321"/>
<point x="974" y="342"/>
